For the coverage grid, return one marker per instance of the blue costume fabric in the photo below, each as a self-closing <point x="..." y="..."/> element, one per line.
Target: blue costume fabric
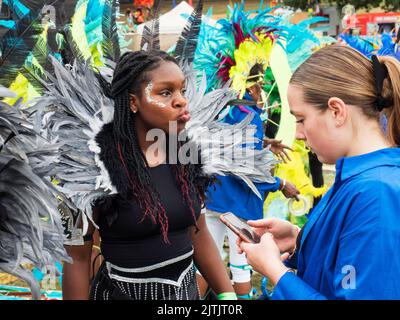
<point x="349" y="246"/>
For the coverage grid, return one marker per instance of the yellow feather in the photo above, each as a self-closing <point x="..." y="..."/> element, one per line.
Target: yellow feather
<point x="246" y="56"/>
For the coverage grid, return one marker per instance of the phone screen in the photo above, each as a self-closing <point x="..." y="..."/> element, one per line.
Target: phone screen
<point x="242" y="227"/>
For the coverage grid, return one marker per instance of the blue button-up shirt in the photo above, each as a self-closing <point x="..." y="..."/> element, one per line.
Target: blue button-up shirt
<point x="351" y="242"/>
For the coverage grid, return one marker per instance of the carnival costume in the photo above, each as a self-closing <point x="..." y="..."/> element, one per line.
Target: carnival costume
<point x="384" y="44"/>
<point x="229" y="51"/>
<point x="30" y="224"/>
<point x="76" y="111"/>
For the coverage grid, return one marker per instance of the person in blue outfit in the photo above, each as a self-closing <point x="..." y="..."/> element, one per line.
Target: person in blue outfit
<point x="348" y="249"/>
<point x="231" y="194"/>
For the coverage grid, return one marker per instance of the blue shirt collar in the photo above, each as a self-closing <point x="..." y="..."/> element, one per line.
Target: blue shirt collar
<point x="351" y="166"/>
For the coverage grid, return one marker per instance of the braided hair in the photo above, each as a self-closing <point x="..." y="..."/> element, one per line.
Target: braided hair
<point x="130" y="72"/>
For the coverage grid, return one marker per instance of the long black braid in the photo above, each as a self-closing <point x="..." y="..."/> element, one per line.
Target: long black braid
<point x="131" y="71"/>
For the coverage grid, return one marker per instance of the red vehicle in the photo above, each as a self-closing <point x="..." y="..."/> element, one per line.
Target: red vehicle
<point x="372" y="23"/>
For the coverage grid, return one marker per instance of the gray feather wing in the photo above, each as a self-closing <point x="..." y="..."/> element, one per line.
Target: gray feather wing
<point x="225" y="149"/>
<point x="73" y="111"/>
<point x="30" y="225"/>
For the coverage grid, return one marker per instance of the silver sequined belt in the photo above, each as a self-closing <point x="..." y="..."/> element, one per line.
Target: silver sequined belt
<point x="128" y="274"/>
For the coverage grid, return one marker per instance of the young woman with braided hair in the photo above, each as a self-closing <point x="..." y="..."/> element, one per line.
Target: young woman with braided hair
<point x="151" y="231"/>
<point x="348" y="249"/>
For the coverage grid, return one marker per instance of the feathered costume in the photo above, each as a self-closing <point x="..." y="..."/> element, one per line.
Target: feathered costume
<point x="384" y="44"/>
<point x="30" y="224"/>
<point x="74" y="108"/>
<point x="230" y="49"/>
<point x="227" y="52"/>
<point x="35" y="36"/>
<point x="68" y="105"/>
<point x="71" y="77"/>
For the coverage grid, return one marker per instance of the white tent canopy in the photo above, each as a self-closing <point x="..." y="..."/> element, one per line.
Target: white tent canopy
<point x="175" y="20"/>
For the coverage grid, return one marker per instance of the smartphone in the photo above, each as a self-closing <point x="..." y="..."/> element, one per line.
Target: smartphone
<point x="239" y="227"/>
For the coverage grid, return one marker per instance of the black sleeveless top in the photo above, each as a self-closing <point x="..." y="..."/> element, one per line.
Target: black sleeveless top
<point x="127" y="240"/>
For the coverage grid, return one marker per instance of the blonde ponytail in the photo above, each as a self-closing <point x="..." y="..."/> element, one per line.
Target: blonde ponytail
<point x="391" y="92"/>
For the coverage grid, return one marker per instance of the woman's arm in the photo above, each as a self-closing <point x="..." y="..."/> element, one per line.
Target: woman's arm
<point x="265" y="258"/>
<point x="76" y="276"/>
<point x="360" y="252"/>
<point x="208" y="260"/>
<point x="75" y="281"/>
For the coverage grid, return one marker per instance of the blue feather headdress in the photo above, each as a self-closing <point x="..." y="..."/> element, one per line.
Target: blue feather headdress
<point x="382" y="44"/>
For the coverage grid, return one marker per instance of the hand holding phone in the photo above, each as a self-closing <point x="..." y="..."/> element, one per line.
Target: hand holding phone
<point x="240" y="227"/>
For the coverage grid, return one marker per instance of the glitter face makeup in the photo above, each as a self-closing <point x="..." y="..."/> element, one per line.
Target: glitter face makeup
<point x="150" y="99"/>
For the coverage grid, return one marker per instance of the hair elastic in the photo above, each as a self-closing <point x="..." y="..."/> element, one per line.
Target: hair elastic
<point x="380" y="74"/>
